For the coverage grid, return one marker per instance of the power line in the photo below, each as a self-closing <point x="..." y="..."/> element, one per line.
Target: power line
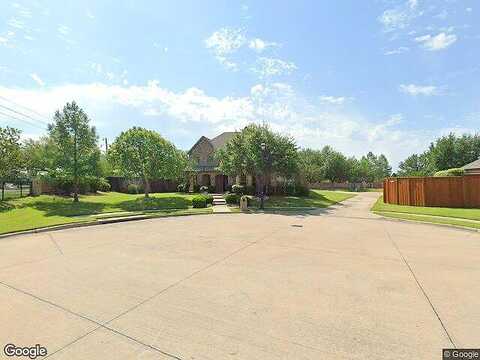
<point x="20" y="119"/>
<point x="23" y="106"/>
<point x="22" y="114"/>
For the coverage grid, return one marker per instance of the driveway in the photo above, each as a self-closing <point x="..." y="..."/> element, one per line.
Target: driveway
<point x="341" y="284"/>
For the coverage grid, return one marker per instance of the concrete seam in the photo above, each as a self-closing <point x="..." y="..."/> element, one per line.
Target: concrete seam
<point x="422" y="289"/>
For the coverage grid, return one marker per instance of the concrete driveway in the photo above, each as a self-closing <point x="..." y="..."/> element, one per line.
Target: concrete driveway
<point x="342" y="284"/>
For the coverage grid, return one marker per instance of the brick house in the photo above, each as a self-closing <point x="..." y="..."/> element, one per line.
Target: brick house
<point x="205" y="171"/>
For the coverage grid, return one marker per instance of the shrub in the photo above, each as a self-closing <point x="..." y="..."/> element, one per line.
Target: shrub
<point x="133" y="189"/>
<point x="301" y="190"/>
<point x="232" y="199"/>
<point x="209" y="199"/>
<point x="238" y="189"/>
<point x="103" y="185"/>
<point x="182" y="188"/>
<point x="199" y="201"/>
<point x="250" y="190"/>
<point x="204" y="189"/>
<point x="451" y="172"/>
<point x="196" y="188"/>
<point x="290" y="189"/>
<point x="211" y="189"/>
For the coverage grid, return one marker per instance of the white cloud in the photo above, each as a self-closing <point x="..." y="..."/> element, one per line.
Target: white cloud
<point x="399" y="50"/>
<point x="268" y="67"/>
<point x="332" y="100"/>
<point x="89" y="14"/>
<point x="63" y="29"/>
<point x="401" y="16"/>
<point x="37" y="79"/>
<point x="278" y="104"/>
<point x="469" y="9"/>
<point x="438" y="42"/>
<point x="260" y="45"/>
<point x="226" y="41"/>
<point x="414" y="90"/>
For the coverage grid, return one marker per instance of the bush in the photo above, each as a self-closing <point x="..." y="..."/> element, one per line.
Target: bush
<point x="301" y="190"/>
<point x="103" y="185"/>
<point x="250" y="190"/>
<point x="199" y="201"/>
<point x="134" y="189"/>
<point x="232" y="199"/>
<point x="451" y="172"/>
<point x="290" y="189"/>
<point x="238" y="189"/>
<point x="209" y="199"/>
<point x="182" y="188"/>
<point x="204" y="189"/>
<point x="196" y="188"/>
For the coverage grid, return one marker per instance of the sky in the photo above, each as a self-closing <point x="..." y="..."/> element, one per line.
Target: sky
<point x="374" y="75"/>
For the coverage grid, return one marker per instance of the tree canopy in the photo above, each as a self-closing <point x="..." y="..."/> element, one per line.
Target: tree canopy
<point x="447" y="152"/>
<point x="145" y="154"/>
<point x="10" y="153"/>
<point x="77" y="153"/>
<point x="259" y="151"/>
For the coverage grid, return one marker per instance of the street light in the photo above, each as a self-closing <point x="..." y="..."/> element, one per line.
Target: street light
<point x="263" y="146"/>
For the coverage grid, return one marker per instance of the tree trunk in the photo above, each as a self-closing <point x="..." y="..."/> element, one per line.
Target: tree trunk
<point x="146" y="187"/>
<point x="75" y="167"/>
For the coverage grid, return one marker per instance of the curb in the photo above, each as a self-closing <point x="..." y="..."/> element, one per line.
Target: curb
<point x="98" y="222"/>
<point x="418" y="222"/>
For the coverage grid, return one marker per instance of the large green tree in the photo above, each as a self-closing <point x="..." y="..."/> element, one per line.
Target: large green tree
<point x="10" y="153"/>
<point x="145" y="154"/>
<point x="39" y="155"/>
<point x="77" y="152"/>
<point x="259" y="151"/>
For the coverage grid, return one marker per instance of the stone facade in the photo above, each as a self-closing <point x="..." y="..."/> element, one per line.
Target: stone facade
<point x="206" y="171"/>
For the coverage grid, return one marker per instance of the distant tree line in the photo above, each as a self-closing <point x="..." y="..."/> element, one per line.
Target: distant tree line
<point x="329" y="164"/>
<point x="447" y="152"/>
<point x="69" y="157"/>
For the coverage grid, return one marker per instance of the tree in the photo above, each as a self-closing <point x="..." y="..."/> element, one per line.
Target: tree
<point x="39" y="155"/>
<point x="142" y="153"/>
<point x="77" y="152"/>
<point x="311" y="165"/>
<point x="244" y="154"/>
<point x="336" y="167"/>
<point x="415" y="165"/>
<point x="10" y="153"/>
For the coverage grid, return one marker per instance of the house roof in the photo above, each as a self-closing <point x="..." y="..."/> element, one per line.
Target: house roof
<point x="217" y="142"/>
<point x="473" y="165"/>
<point x="220" y="141"/>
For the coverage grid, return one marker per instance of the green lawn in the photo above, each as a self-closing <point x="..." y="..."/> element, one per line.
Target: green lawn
<point x="316" y="199"/>
<point x="45" y="210"/>
<point x="451" y="216"/>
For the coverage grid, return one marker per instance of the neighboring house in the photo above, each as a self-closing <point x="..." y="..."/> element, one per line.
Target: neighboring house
<point x="205" y="171"/>
<point x="473" y="168"/>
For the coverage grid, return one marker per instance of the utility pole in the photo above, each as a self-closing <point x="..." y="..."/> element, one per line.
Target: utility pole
<point x="106" y="145"/>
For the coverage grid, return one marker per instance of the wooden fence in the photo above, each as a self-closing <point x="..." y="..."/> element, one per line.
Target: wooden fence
<point x="454" y="191"/>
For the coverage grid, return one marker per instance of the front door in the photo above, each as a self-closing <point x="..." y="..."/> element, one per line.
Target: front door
<point x="219" y="184"/>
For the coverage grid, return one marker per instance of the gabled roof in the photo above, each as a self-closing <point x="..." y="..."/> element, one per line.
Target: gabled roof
<point x="473" y="165"/>
<point x="220" y="141"/>
<point x="217" y="142"/>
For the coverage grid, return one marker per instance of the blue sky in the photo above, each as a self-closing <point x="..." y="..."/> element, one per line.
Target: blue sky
<point x="387" y="76"/>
